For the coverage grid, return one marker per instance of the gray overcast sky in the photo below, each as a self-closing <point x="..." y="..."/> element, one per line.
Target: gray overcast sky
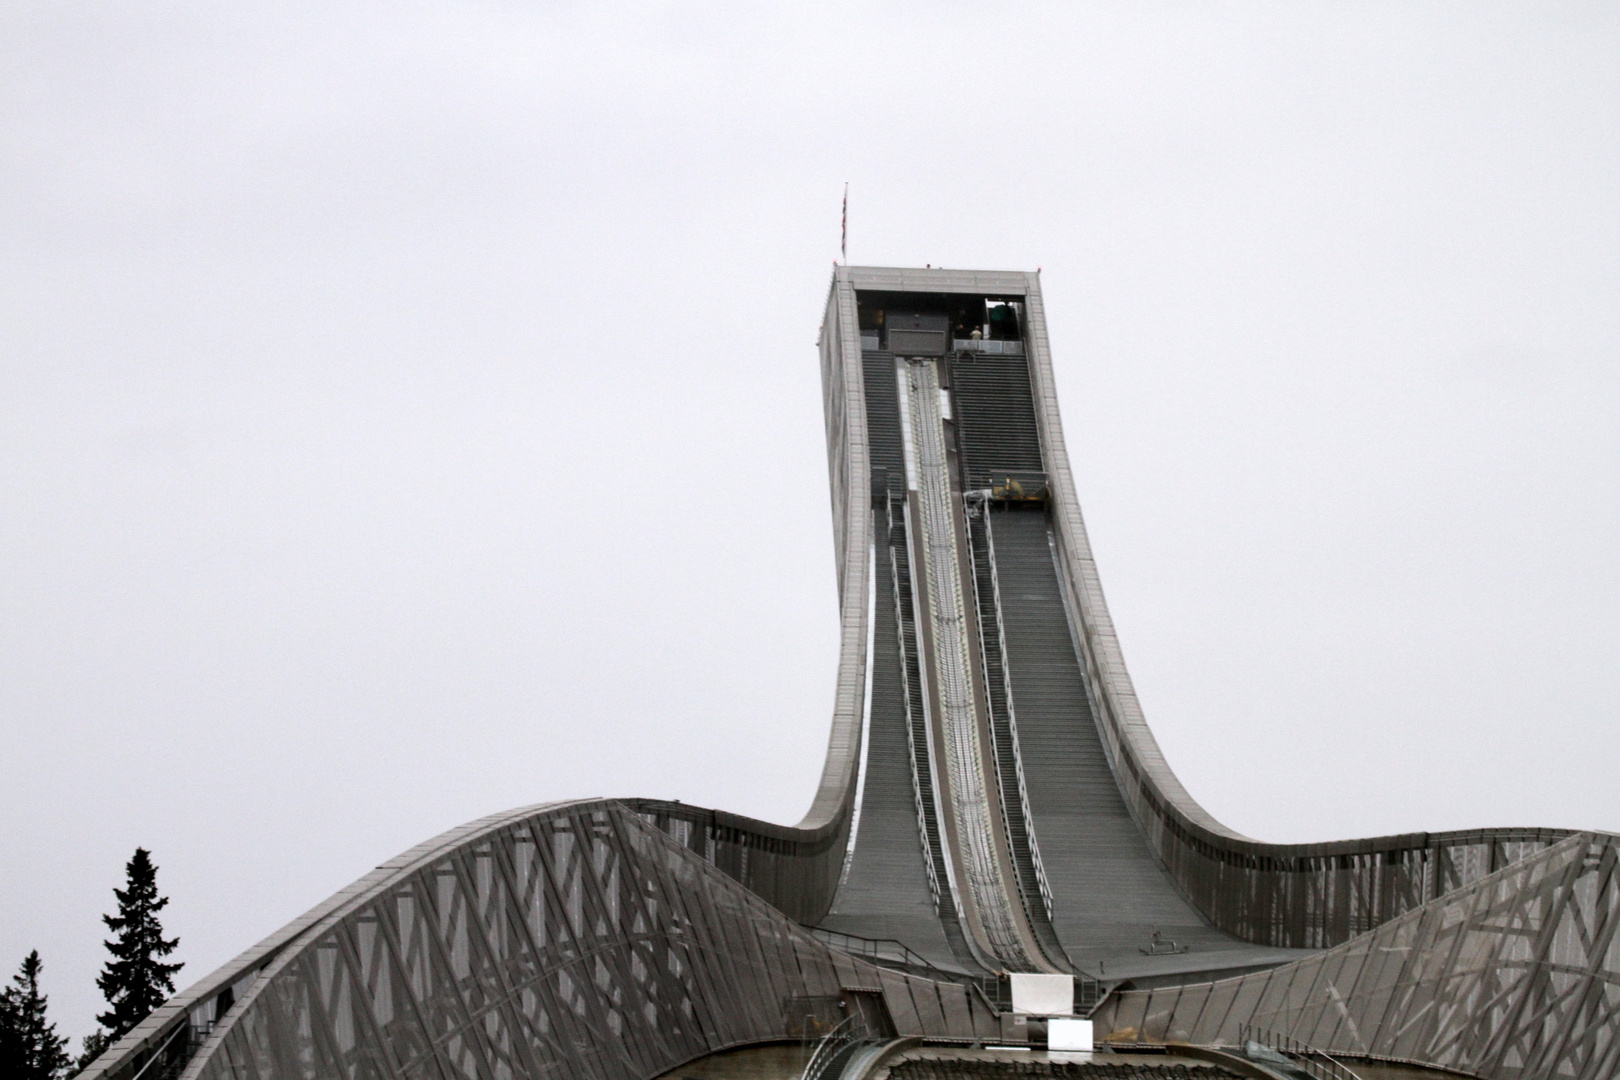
<point x="410" y="411"/>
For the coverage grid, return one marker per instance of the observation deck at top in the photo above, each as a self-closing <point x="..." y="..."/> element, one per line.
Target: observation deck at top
<point x="992" y="801"/>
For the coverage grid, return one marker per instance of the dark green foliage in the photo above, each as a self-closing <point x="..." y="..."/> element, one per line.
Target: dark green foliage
<point x="135" y="981"/>
<point x="30" y="1048"/>
<point x="94" y="1044"/>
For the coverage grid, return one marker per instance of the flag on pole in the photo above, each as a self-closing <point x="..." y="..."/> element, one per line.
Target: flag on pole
<point x="843" y="235"/>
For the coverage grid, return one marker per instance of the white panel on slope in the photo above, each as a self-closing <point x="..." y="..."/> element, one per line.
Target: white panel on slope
<point x="1071" y="1036"/>
<point x="1043" y="995"/>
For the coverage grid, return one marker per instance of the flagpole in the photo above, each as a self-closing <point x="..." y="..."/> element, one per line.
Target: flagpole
<point x="843" y="234"/>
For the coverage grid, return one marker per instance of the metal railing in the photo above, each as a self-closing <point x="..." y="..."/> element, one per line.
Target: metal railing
<point x="1009" y="485"/>
<point x="171" y="1055"/>
<point x="885" y="952"/>
<point x="988" y="346"/>
<point x="833" y="1050"/>
<point x="1315" y="1063"/>
<point x="996" y="991"/>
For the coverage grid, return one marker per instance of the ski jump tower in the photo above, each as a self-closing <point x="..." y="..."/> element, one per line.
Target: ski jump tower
<point x="992" y="802"/>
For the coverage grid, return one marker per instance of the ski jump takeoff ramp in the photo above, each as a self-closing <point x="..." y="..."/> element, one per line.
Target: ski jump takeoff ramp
<point x="992" y="803"/>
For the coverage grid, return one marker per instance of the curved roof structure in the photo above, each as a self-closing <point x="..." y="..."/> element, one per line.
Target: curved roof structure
<point x="992" y="802"/>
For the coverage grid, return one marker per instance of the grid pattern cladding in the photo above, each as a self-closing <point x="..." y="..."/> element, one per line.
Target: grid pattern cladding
<point x="888" y="891"/>
<point x="1514" y="977"/>
<point x="1319" y="895"/>
<point x="1015" y="813"/>
<point x="1109" y="891"/>
<point x="883" y="420"/>
<point x="996" y="418"/>
<point x="922" y="770"/>
<point x="577" y="942"/>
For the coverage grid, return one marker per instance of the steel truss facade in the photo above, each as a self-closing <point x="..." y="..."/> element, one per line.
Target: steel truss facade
<point x="615" y="940"/>
<point x="574" y="940"/>
<point x="1514" y="976"/>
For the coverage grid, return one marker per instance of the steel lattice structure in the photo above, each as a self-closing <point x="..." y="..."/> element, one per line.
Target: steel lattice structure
<point x="992" y="801"/>
<point x="573" y="939"/>
<point x="1516" y="975"/>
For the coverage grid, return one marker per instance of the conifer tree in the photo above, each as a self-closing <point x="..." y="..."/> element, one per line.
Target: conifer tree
<point x="136" y="981"/>
<point x="94" y="1044"/>
<point x="30" y="1048"/>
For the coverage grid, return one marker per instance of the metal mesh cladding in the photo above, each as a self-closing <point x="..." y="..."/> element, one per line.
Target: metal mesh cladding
<point x="575" y="942"/>
<point x="1516" y="976"/>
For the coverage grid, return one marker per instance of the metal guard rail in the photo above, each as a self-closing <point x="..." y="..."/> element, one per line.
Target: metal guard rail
<point x="1319" y="1064"/>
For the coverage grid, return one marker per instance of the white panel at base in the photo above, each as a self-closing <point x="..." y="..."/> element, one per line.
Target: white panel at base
<point x="1043" y="995"/>
<point x="1070" y="1035"/>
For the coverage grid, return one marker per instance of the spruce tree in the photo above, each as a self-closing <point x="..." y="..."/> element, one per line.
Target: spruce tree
<point x="95" y="1044"/>
<point x="135" y="981"/>
<point x="30" y="1048"/>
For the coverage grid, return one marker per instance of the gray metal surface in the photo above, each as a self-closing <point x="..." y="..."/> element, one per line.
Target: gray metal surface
<point x="986" y="896"/>
<point x="849" y="479"/>
<point x="996" y="421"/>
<point x="886" y="892"/>
<point x="1017" y="817"/>
<point x="1515" y="976"/>
<point x="1109" y="891"/>
<point x="568" y="940"/>
<point x="615" y="940"/>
